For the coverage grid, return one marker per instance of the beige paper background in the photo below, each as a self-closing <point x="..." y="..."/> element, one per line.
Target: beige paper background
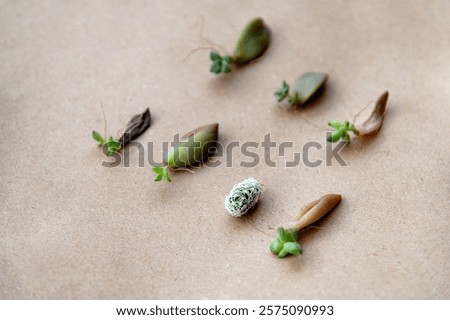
<point x="71" y="229"/>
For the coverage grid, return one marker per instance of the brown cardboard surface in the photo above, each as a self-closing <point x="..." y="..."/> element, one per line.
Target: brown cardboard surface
<point x="72" y="229"/>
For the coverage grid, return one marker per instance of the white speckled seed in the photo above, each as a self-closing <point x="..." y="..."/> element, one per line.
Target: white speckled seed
<point x="243" y="197"/>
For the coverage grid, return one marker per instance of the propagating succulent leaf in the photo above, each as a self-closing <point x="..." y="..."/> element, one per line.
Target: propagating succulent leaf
<point x="253" y="42"/>
<point x="307" y="86"/>
<point x="193" y="148"/>
<point x="135" y="127"/>
<point x="314" y="211"/>
<point x="375" y="118"/>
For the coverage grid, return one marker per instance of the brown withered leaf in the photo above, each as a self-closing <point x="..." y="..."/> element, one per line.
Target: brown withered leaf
<point x="135" y="127"/>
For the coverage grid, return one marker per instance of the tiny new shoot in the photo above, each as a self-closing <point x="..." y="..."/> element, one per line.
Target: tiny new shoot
<point x="220" y="64"/>
<point x="161" y="173"/>
<point x="283" y="93"/>
<point x="286" y="243"/>
<point x="341" y="131"/>
<point x="112" y="146"/>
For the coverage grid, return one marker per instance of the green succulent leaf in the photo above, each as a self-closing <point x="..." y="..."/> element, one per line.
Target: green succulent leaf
<point x="282" y="234"/>
<point x="161" y="173"/>
<point x="283" y="253"/>
<point x="112" y="146"/>
<point x="111" y="151"/>
<point x="276" y="246"/>
<point x="253" y="41"/>
<point x="216" y="67"/>
<point x="193" y="148"/>
<point x="282" y="92"/>
<point x="158" y="170"/>
<point x="226" y="68"/>
<point x="214" y="56"/>
<point x="292" y="248"/>
<point x="227" y="59"/>
<point x="350" y="127"/>
<point x="346" y="137"/>
<point x="286" y="243"/>
<point x="291" y="235"/>
<point x="308" y="85"/>
<point x="166" y="174"/>
<point x="98" y="137"/>
<point x="334" y="124"/>
<point x="335" y="136"/>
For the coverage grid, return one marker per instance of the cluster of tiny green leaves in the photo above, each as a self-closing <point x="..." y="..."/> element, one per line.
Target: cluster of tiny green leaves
<point x="283" y="93"/>
<point x="286" y="243"/>
<point x="341" y="131"/>
<point x="112" y="145"/>
<point x="220" y="64"/>
<point x="161" y="172"/>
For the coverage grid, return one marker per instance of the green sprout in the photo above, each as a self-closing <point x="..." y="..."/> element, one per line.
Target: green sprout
<point x="161" y="172"/>
<point x="112" y="145"/>
<point x="283" y="92"/>
<point x="220" y="64"/>
<point x="286" y="243"/>
<point x="341" y="131"/>
<point x="98" y="137"/>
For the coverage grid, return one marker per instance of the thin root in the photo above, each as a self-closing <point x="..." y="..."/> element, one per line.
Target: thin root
<point x="104" y="117"/>
<point x="183" y="169"/>
<point x="354" y="118"/>
<point x="312" y="123"/>
<point x="210" y="45"/>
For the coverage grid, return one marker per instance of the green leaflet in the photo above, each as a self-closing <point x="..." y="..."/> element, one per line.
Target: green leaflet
<point x="98" y="137"/>
<point x="341" y="131"/>
<point x="286" y="243"/>
<point x="161" y="172"/>
<point x="253" y="42"/>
